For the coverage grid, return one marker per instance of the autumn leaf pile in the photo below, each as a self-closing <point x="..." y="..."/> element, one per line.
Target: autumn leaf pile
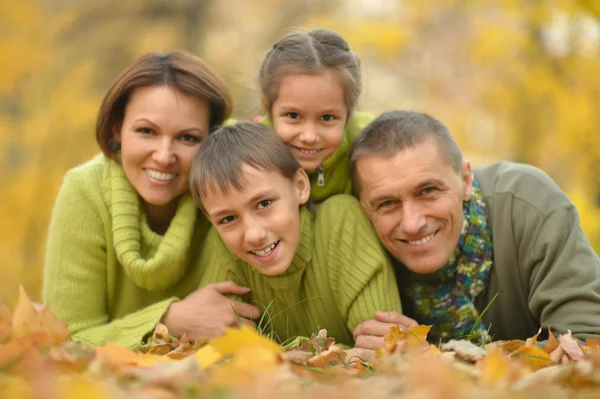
<point x="38" y="360"/>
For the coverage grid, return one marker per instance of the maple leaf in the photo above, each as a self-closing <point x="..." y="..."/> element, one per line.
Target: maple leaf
<point x="43" y="325"/>
<point x="552" y="342"/>
<point x="414" y="337"/>
<point x="497" y="370"/>
<point x="207" y="356"/>
<point x="317" y="343"/>
<point x="464" y="349"/>
<point x="571" y="346"/>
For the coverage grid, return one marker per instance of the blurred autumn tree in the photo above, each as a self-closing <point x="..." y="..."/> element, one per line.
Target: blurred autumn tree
<point x="513" y="79"/>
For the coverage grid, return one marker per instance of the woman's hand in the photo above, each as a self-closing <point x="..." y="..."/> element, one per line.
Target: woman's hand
<point x="206" y="312"/>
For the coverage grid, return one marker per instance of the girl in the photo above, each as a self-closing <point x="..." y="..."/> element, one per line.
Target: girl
<point x="310" y="84"/>
<point x="310" y="271"/>
<point x="126" y="246"/>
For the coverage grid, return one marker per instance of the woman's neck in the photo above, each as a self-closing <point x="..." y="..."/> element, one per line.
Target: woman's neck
<point x="159" y="216"/>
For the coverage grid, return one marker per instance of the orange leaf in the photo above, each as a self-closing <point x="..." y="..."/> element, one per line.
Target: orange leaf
<point x="533" y="357"/>
<point x="28" y="321"/>
<point x="496" y="368"/>
<point x="6" y="330"/>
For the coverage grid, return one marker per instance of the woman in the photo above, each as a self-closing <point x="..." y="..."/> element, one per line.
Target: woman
<point x="126" y="243"/>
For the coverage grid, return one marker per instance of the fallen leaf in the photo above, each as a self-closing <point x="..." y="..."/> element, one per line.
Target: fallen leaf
<point x="497" y="370"/>
<point x="6" y="329"/>
<point x="464" y="349"/>
<point x="532" y="357"/>
<point x="235" y="339"/>
<point x="571" y="346"/>
<point x="552" y="342"/>
<point x="415" y="337"/>
<point x="207" y="356"/>
<point x="28" y="321"/>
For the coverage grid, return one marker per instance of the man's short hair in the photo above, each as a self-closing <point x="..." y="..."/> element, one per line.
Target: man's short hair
<point x="395" y="131"/>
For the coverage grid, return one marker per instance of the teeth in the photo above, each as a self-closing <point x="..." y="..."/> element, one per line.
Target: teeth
<point x="156" y="175"/>
<point x="306" y="151"/>
<point x="266" y="251"/>
<point x="422" y="240"/>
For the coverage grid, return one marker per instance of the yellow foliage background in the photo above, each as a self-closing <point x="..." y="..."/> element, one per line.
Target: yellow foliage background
<point x="513" y="79"/>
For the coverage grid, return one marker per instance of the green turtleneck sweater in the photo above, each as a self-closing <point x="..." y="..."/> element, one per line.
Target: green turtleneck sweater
<point x="338" y="278"/>
<point x="336" y="168"/>
<point x="107" y="274"/>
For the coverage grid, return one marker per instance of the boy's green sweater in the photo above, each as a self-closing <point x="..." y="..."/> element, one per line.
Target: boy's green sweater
<point x="107" y="274"/>
<point x="336" y="168"/>
<point x="338" y="278"/>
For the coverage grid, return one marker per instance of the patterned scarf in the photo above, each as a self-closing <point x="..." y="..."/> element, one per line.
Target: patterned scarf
<point x="445" y="298"/>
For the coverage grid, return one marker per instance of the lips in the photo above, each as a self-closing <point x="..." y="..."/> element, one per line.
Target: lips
<point x="267" y="251"/>
<point x="307" y="151"/>
<point x="160" y="176"/>
<point x="421" y="241"/>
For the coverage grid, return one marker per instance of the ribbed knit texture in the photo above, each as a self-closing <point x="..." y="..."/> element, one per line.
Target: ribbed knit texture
<point x="107" y="274"/>
<point x="337" y="165"/>
<point x="338" y="278"/>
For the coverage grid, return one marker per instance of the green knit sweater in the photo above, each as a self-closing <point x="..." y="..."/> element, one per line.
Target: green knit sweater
<point x="338" y="278"/>
<point x="107" y="274"/>
<point x="336" y="168"/>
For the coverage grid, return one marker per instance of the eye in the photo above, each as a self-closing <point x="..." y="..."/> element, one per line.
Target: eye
<point x="328" y="117"/>
<point x="189" y="138"/>
<point x="385" y="204"/>
<point x="264" y="203"/>
<point x="145" y="130"/>
<point x="428" y="190"/>
<point x="227" y="219"/>
<point x="293" y="115"/>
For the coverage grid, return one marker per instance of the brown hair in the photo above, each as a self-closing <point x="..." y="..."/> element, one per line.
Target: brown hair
<point x="179" y="70"/>
<point x="394" y="131"/>
<point x="311" y="52"/>
<point x="220" y="159"/>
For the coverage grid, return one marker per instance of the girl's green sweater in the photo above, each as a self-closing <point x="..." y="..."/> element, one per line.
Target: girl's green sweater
<point x="338" y="278"/>
<point x="334" y="175"/>
<point x="106" y="273"/>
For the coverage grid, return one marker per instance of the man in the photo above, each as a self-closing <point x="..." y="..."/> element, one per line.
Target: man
<point x="459" y="237"/>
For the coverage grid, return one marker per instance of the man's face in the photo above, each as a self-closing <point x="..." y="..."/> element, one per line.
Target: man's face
<point x="414" y="199"/>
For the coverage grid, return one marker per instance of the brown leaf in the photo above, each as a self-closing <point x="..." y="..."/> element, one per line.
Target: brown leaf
<point x="414" y="337"/>
<point x="552" y="342"/>
<point x="329" y="358"/>
<point x="317" y="343"/>
<point x="510" y="346"/>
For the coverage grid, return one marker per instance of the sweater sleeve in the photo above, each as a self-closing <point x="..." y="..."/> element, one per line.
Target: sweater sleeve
<point x="75" y="273"/>
<point x="361" y="276"/>
<point x="564" y="275"/>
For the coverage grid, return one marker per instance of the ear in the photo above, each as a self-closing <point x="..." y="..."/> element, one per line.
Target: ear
<point x="265" y="106"/>
<point x="302" y="186"/>
<point x="466" y="176"/>
<point x="116" y="130"/>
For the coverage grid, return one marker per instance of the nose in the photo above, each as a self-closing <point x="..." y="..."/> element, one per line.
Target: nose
<point x="164" y="155"/>
<point x="309" y="134"/>
<point x="413" y="219"/>
<point x="255" y="233"/>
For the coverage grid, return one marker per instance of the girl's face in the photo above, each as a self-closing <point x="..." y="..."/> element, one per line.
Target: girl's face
<point x="310" y="114"/>
<point x="161" y="131"/>
<point x="260" y="223"/>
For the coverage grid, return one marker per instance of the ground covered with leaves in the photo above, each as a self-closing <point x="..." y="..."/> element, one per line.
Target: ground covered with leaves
<point x="38" y="360"/>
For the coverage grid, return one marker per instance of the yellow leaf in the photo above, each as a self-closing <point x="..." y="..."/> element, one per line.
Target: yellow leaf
<point x="117" y="355"/>
<point x="235" y="339"/>
<point x="415" y="337"/>
<point x="72" y="387"/>
<point x="207" y="356"/>
<point x="533" y="357"/>
<point x="6" y="329"/>
<point x="495" y="368"/>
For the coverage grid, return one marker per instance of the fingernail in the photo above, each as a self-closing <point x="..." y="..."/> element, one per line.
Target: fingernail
<point x="384" y="314"/>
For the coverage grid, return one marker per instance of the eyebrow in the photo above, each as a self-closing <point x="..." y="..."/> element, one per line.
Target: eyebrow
<point x="253" y="199"/>
<point x="290" y="107"/>
<point x="424" y="184"/>
<point x="156" y="126"/>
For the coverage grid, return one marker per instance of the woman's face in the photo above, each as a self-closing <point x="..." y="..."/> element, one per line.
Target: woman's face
<point x="161" y="131"/>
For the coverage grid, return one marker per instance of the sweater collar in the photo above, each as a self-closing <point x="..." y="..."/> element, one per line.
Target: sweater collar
<point x="152" y="261"/>
<point x="292" y="276"/>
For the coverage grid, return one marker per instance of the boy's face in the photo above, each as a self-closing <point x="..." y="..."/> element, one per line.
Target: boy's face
<point x="261" y="222"/>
